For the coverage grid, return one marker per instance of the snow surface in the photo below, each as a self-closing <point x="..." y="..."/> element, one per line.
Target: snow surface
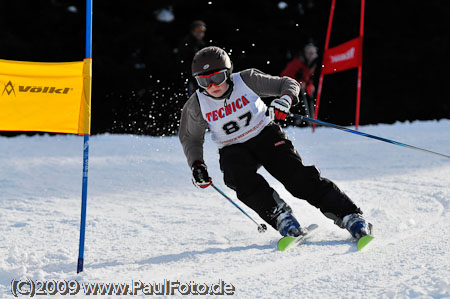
<point x="146" y="221"/>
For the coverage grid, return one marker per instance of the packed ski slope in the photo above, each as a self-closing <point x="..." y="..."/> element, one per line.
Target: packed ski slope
<point x="147" y="222"/>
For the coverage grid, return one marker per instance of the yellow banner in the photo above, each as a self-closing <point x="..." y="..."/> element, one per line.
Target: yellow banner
<point x="47" y="97"/>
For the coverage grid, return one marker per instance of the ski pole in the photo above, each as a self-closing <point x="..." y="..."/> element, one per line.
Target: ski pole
<point x="364" y="134"/>
<point x="261" y="227"/>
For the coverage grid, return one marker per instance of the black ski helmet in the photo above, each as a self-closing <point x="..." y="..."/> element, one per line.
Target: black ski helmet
<point x="210" y="59"/>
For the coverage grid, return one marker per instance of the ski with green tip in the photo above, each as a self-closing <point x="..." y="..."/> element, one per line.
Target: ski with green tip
<point x="363" y="242"/>
<point x="289" y="242"/>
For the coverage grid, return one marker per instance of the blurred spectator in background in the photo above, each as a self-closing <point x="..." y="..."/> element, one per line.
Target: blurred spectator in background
<point x="187" y="48"/>
<point x="303" y="68"/>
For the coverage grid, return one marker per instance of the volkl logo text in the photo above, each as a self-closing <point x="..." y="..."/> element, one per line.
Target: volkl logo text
<point x="9" y="89"/>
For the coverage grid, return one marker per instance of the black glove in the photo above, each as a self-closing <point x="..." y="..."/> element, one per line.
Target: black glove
<point x="200" y="177"/>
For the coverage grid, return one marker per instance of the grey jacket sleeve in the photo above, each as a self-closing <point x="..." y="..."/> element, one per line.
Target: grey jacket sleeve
<point x="271" y="86"/>
<point x="192" y="130"/>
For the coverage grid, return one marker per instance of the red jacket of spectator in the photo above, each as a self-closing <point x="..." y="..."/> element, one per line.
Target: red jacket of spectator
<point x="298" y="69"/>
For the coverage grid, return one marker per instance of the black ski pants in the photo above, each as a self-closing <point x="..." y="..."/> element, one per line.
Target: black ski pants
<point x="272" y="150"/>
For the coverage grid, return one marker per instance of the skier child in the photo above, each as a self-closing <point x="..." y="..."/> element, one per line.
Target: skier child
<point x="230" y="105"/>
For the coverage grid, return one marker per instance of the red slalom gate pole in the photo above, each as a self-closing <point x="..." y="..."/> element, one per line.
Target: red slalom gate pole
<point x="327" y="42"/>
<point x="358" y="95"/>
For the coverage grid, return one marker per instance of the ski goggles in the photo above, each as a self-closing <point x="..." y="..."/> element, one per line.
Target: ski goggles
<point x="217" y="78"/>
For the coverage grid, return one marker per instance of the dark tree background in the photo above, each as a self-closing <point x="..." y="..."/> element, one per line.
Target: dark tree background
<point x="138" y="86"/>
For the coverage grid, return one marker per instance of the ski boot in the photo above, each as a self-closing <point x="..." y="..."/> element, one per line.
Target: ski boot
<point x="287" y="225"/>
<point x="357" y="226"/>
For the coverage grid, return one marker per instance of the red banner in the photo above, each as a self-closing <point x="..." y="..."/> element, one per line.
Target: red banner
<point x="343" y="57"/>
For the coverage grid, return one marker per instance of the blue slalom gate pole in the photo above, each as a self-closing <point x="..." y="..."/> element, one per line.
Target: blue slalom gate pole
<point x="320" y="122"/>
<point x="85" y="148"/>
<point x="261" y="227"/>
<point x="83" y="204"/>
